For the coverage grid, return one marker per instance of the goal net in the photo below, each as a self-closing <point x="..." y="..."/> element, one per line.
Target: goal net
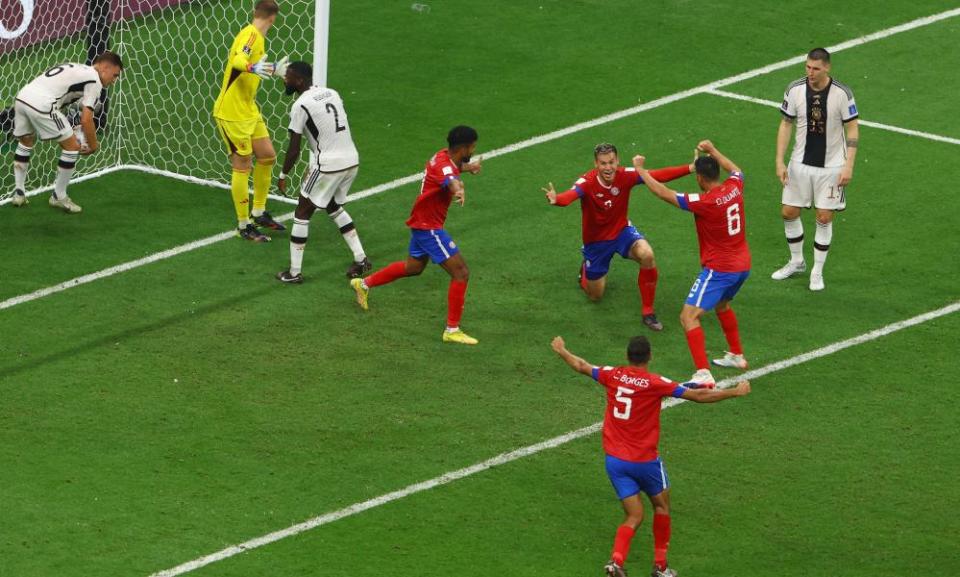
<point x="157" y="117"/>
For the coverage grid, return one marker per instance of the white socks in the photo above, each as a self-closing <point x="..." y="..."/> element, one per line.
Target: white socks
<point x="298" y="241"/>
<point x="68" y="160"/>
<point x="821" y="244"/>
<point x="794" y="232"/>
<point x="342" y="219"/>
<point x="21" y="165"/>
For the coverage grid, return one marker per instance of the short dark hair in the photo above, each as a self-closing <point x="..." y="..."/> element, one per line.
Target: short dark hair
<point x="638" y="351"/>
<point x="265" y="8"/>
<point x="707" y="167"/>
<point x="109" y="58"/>
<point x="461" y="136"/>
<point x="820" y="54"/>
<point x="604" y="148"/>
<point x="302" y="70"/>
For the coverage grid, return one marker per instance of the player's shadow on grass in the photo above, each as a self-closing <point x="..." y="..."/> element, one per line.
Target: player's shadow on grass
<point x="190" y="314"/>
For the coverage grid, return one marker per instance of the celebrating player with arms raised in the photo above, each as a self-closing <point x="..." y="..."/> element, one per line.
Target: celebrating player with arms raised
<point x="242" y="127"/>
<point x="428" y="239"/>
<point x="631" y="432"/>
<point x="724" y="254"/>
<point x="604" y="195"/>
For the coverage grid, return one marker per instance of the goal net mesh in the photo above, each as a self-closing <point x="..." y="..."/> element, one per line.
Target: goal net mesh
<point x="158" y="115"/>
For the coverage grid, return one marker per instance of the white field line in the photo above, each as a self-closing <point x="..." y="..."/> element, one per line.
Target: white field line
<point x="891" y="128"/>
<point x="886" y="33"/>
<point x="505" y="458"/>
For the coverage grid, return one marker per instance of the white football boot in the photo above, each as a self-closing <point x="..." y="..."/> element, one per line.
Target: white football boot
<point x="816" y="282"/>
<point x="19" y="198"/>
<point x="788" y="270"/>
<point x="65" y="203"/>
<point x="703" y="378"/>
<point x="732" y="361"/>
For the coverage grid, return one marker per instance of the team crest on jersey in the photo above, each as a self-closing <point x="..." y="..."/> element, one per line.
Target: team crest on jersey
<point x="614" y="191"/>
<point x="247" y="50"/>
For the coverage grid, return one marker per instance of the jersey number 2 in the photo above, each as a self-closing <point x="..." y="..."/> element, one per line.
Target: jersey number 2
<point x="733" y="219"/>
<point x="623" y="396"/>
<point x="332" y="109"/>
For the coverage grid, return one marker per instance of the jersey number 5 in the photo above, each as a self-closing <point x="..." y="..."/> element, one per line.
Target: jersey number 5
<point x="332" y="109"/>
<point x="623" y="396"/>
<point x="733" y="219"/>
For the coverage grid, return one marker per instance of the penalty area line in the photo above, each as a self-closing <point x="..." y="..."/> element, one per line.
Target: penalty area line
<point x="529" y="450"/>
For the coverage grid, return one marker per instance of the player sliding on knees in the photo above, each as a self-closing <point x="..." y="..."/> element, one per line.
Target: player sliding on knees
<point x="38" y="112"/>
<point x="724" y="254"/>
<point x="604" y="195"/>
<point x="428" y="239"/>
<point x="242" y="127"/>
<point x="631" y="432"/>
<point x="319" y="112"/>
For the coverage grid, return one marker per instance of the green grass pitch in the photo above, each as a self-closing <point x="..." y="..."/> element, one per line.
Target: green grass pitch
<point x="166" y="412"/>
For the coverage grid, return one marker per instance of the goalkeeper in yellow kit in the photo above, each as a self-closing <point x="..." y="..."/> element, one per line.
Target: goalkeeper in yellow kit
<point x="242" y="127"/>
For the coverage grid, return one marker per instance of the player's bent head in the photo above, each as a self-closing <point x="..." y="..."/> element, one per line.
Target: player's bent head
<point x="604" y="148"/>
<point x="638" y="351"/>
<point x="299" y="77"/>
<point x="820" y="54"/>
<point x="707" y="168"/>
<point x="461" y="136"/>
<point x="109" y="65"/>
<point x="266" y="9"/>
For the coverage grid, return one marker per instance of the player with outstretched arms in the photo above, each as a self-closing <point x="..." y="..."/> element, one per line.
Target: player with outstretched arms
<point x="318" y="112"/>
<point x="428" y="239"/>
<point x="631" y="433"/>
<point x="604" y="195"/>
<point x="39" y="113"/>
<point x="241" y="125"/>
<point x="724" y="253"/>
<point x="821" y="165"/>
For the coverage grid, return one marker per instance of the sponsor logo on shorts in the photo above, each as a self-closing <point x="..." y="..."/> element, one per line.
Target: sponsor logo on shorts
<point x="453" y="244"/>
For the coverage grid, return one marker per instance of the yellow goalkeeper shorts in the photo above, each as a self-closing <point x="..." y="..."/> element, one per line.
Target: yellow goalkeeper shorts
<point x="239" y="135"/>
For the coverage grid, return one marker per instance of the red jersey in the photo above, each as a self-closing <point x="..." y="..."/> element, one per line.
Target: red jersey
<point x="721" y="228"/>
<point x="631" y="427"/>
<point x="604" y="208"/>
<point x="430" y="209"/>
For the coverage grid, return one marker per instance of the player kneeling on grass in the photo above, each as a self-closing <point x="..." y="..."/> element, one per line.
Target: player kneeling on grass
<point x="39" y="109"/>
<point x="428" y="240"/>
<point x="319" y="112"/>
<point x="724" y="253"/>
<point x="631" y="432"/>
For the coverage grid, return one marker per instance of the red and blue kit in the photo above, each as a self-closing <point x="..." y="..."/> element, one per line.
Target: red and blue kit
<point x="429" y="212"/>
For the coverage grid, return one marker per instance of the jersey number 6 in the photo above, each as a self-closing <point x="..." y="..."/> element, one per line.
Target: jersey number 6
<point x="733" y="219"/>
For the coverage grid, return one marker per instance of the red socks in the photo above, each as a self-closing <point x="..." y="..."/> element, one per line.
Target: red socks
<point x="389" y="273"/>
<point x="728" y="321"/>
<point x="698" y="348"/>
<point x="647" y="281"/>
<point x="456" y="294"/>
<point x="661" y="540"/>
<point x="621" y="544"/>
<point x="583" y="277"/>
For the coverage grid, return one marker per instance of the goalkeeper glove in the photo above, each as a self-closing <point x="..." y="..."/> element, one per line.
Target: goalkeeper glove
<point x="280" y="69"/>
<point x="263" y="69"/>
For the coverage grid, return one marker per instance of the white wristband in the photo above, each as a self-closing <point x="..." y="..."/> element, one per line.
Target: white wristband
<point x="282" y="176"/>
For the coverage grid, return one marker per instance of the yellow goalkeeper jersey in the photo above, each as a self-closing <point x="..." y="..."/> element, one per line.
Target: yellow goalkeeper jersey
<point x="237" y="95"/>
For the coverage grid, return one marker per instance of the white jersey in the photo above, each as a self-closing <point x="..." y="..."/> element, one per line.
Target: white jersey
<point x="820" y="116"/>
<point x="62" y="86"/>
<point x="320" y="114"/>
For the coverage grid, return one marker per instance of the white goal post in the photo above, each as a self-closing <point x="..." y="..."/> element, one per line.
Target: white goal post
<point x="157" y="117"/>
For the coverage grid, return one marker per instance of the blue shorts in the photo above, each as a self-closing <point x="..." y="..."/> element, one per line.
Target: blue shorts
<point x="711" y="287"/>
<point x="435" y="243"/>
<point x="598" y="254"/>
<point x="629" y="478"/>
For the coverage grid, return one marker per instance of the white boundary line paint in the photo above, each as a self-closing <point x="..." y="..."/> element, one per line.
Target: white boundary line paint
<point x="505" y="458"/>
<point x="706" y="88"/>
<point x="907" y="131"/>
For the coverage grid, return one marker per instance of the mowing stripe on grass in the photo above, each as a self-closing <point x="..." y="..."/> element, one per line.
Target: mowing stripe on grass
<point x="907" y="131"/>
<point x="505" y="458"/>
<point x="706" y="88"/>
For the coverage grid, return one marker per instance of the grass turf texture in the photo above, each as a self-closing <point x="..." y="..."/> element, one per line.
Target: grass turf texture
<point x="288" y="402"/>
